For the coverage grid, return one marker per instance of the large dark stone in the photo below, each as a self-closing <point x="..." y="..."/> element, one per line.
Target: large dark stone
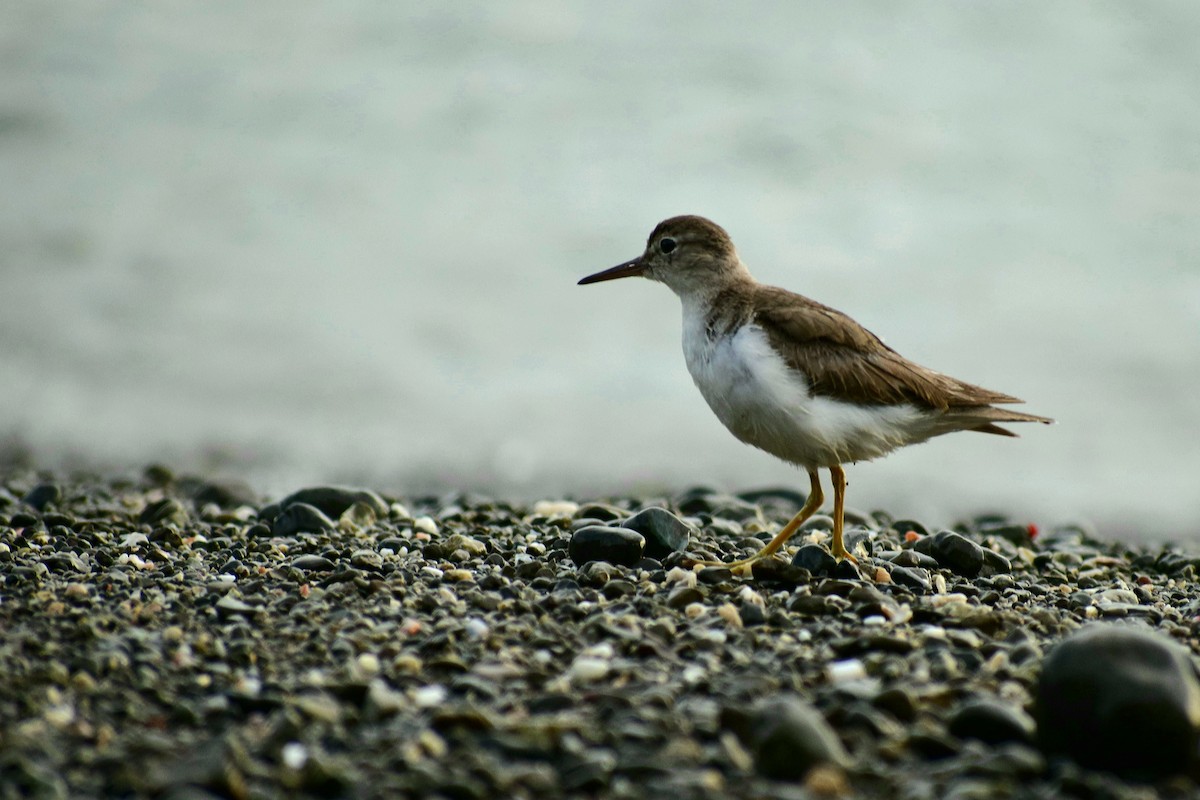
<point x="331" y="500"/>
<point x="299" y="517"/>
<point x="815" y="559"/>
<point x="665" y="533"/>
<point x="600" y="543"/>
<point x="1120" y="699"/>
<point x="42" y="495"/>
<point x="992" y="722"/>
<point x="953" y="551"/>
<point x="788" y="737"/>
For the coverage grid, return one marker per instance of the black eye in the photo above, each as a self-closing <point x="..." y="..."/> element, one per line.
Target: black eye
<point x="666" y="244"/>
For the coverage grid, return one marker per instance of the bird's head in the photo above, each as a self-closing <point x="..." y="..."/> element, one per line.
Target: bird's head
<point x="690" y="254"/>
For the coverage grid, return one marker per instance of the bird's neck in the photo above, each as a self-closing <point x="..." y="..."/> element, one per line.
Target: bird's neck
<point x="720" y="308"/>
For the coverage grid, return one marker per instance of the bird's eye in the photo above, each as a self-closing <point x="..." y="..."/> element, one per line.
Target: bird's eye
<point x="666" y="244"/>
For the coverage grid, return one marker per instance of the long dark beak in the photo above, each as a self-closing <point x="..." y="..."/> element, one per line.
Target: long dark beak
<point x="629" y="269"/>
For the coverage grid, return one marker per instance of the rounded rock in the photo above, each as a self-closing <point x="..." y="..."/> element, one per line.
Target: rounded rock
<point x="992" y="722"/>
<point x="1120" y="699"/>
<point x="788" y="737"/>
<point x="599" y="543"/>
<point x="665" y="533"/>
<point x="954" y="552"/>
<point x="815" y="559"/>
<point x="301" y="517"/>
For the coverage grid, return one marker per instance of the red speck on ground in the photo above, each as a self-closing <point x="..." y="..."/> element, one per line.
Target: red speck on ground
<point x="305" y="590"/>
<point x="911" y="536"/>
<point x="1033" y="531"/>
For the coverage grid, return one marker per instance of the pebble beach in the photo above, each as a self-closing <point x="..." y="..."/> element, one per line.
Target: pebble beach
<point x="166" y="636"/>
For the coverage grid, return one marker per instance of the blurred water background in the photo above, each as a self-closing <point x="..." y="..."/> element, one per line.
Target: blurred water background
<point x="297" y="241"/>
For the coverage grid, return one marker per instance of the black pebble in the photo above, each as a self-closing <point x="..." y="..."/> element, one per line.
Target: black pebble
<point x="992" y="722"/>
<point x="954" y="552"/>
<point x="788" y="737"/>
<point x="665" y="533"/>
<point x="301" y="517"/>
<point x="42" y="495"/>
<point x="600" y="543"/>
<point x="815" y="559"/>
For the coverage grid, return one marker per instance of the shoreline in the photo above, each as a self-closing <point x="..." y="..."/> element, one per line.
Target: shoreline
<point x="171" y="637"/>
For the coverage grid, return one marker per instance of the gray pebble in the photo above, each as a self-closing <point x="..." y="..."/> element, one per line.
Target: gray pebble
<point x="665" y="533"/>
<point x="788" y="737"/>
<point x="1121" y="699"/>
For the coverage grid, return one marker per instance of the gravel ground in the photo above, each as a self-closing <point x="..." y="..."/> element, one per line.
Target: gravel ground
<point x="169" y="637"/>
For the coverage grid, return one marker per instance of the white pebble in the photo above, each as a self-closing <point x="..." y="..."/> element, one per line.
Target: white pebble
<point x="476" y="628"/>
<point x="748" y="595"/>
<point x="846" y="671"/>
<point x="601" y="650"/>
<point x="429" y="696"/>
<point x="367" y="664"/>
<point x="694" y="610"/>
<point x="874" y="621"/>
<point x="426" y="525"/>
<point x="682" y="576"/>
<point x="555" y="508"/>
<point x="399" y="511"/>
<point x="692" y="674"/>
<point x="586" y="669"/>
<point x="294" y="755"/>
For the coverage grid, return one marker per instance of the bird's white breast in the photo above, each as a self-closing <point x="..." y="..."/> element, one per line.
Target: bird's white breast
<point x="764" y="403"/>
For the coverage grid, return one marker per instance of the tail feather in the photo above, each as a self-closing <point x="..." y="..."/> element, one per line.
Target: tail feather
<point x="984" y="419"/>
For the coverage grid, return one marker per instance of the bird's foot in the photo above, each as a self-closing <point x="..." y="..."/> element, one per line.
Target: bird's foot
<point x="839" y="551"/>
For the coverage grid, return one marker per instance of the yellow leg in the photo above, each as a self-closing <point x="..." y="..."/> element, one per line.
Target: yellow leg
<point x="838" y="548"/>
<point x="815" y="498"/>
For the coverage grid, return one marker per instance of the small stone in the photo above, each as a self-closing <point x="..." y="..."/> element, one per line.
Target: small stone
<point x="914" y="558"/>
<point x="729" y="612"/>
<point x="992" y="722"/>
<point x="714" y="575"/>
<point x="752" y="614"/>
<point x="789" y="737"/>
<point x="665" y="533"/>
<point x="899" y="702"/>
<point x="1121" y="699"/>
<point x="229" y="605"/>
<point x="684" y="596"/>
<point x="425" y="525"/>
<point x="42" y="495"/>
<point x="587" y="669"/>
<point x="301" y="518"/>
<point x="334" y="500"/>
<point x="472" y="547"/>
<point x="313" y="563"/>
<point x="429" y="696"/>
<point x="555" y="508"/>
<point x="815" y="559"/>
<point x="954" y="552"/>
<point x="600" y="543"/>
<point x="912" y="577"/>
<point x="167" y="511"/>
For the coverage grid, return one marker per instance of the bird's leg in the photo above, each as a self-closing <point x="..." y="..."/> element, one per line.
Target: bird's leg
<point x="815" y="498"/>
<point x="838" y="548"/>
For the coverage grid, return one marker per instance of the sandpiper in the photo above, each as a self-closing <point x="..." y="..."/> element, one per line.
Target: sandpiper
<point x="800" y="380"/>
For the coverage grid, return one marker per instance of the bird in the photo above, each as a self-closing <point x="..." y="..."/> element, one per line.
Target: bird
<point x="796" y="378"/>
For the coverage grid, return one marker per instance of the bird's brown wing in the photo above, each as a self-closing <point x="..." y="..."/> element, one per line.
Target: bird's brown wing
<point x="844" y="360"/>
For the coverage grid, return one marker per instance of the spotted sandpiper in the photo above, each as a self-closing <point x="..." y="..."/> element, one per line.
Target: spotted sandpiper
<point x="796" y="378"/>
